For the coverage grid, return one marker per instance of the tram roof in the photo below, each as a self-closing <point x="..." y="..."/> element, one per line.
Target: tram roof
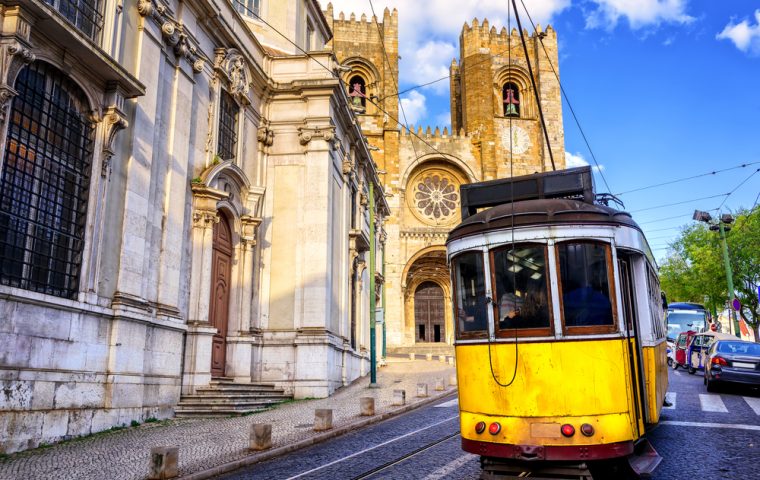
<point x="541" y="212"/>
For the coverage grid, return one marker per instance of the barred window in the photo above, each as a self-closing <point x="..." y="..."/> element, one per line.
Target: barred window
<point x="44" y="183"/>
<point x="228" y="114"/>
<point x="84" y="14"/>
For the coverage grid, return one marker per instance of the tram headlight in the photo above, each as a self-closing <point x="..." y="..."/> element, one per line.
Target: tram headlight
<point x="587" y="429"/>
<point x="494" y="428"/>
<point x="480" y="427"/>
<point x="567" y="430"/>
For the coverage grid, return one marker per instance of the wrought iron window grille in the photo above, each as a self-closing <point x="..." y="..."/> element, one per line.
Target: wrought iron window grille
<point x="85" y="15"/>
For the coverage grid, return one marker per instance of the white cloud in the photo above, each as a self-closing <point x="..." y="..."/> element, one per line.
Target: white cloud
<point x="429" y="62"/>
<point x="443" y="120"/>
<point x="577" y="160"/>
<point x="414" y="107"/>
<point x="745" y="36"/>
<point x="639" y="13"/>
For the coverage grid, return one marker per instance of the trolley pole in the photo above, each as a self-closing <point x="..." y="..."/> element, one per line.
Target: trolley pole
<point x="372" y="333"/>
<point x="729" y="279"/>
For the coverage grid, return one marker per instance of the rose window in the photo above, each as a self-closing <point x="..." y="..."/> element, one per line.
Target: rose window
<point x="436" y="197"/>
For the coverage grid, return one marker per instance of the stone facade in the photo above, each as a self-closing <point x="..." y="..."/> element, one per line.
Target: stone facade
<point x="423" y="168"/>
<point x="199" y="115"/>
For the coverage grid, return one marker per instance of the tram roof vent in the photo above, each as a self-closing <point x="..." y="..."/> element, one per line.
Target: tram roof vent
<point x="575" y="183"/>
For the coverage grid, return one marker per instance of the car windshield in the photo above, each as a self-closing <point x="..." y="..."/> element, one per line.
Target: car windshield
<point x="739" y="348"/>
<point x="683" y="321"/>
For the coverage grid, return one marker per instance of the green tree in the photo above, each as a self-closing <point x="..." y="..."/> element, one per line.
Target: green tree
<point x="744" y="251"/>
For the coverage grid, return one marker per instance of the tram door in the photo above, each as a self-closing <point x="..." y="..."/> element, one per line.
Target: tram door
<point x="429" y="313"/>
<point x="625" y="266"/>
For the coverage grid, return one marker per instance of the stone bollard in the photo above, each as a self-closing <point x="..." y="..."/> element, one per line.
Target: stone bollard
<point x="322" y="419"/>
<point x="442" y="358"/>
<point x="429" y="357"/>
<point x="261" y="436"/>
<point x="451" y="360"/>
<point x="453" y="380"/>
<point x="422" y="390"/>
<point x="439" y="385"/>
<point x="399" y="397"/>
<point x="163" y="463"/>
<point x="367" y="406"/>
<point x="411" y="356"/>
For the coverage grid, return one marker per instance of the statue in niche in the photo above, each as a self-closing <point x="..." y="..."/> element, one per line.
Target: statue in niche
<point x="357" y="97"/>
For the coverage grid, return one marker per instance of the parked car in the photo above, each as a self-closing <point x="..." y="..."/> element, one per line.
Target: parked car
<point x="696" y="355"/>
<point x="732" y="361"/>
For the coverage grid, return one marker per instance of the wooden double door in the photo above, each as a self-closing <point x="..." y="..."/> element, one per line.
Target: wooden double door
<point x="429" y="316"/>
<point x="219" y="308"/>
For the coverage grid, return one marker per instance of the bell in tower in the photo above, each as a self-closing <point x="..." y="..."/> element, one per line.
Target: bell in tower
<point x="511" y="101"/>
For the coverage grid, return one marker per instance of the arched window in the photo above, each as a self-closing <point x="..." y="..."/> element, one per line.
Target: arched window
<point x="357" y="92"/>
<point x="44" y="183"/>
<point x="510" y="95"/>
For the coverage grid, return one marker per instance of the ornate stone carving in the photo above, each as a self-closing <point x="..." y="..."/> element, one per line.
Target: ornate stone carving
<point x="233" y="66"/>
<point x="14" y="56"/>
<point x="249" y="225"/>
<point x="265" y="135"/>
<point x="326" y="132"/>
<point x="173" y="32"/>
<point x="114" y="120"/>
<point x="205" y="218"/>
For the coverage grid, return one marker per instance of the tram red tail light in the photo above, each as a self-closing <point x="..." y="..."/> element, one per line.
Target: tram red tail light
<point x="587" y="429"/>
<point x="480" y="427"/>
<point x="567" y="430"/>
<point x="494" y="428"/>
<point x="719" y="361"/>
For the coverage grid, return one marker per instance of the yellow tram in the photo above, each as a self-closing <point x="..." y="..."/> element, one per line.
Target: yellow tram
<point x="560" y="338"/>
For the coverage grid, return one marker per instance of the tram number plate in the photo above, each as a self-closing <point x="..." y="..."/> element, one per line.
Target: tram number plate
<point x="545" y="430"/>
<point x="744" y="365"/>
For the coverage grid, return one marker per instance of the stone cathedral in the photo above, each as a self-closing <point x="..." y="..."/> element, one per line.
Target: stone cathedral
<point x="493" y="110"/>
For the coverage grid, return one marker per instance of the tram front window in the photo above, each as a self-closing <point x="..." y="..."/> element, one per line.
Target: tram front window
<point x="521" y="299"/>
<point x="469" y="278"/>
<point x="585" y="284"/>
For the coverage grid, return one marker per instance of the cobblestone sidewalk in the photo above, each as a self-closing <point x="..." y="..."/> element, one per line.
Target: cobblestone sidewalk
<point x="208" y="443"/>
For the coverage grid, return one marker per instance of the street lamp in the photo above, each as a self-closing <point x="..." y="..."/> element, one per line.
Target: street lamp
<point x="722" y="225"/>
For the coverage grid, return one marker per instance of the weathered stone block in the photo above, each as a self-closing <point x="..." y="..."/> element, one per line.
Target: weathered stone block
<point x="429" y="357"/>
<point x="442" y="358"/>
<point x="261" y="436"/>
<point x="453" y="380"/>
<point x="164" y="463"/>
<point x="399" y="397"/>
<point x="55" y="425"/>
<point x="439" y="385"/>
<point x="411" y="356"/>
<point x="323" y="418"/>
<point x="422" y="390"/>
<point x="15" y="395"/>
<point x="367" y="405"/>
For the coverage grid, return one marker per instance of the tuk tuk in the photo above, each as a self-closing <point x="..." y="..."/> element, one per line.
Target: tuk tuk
<point x="697" y="349"/>
<point x="683" y="342"/>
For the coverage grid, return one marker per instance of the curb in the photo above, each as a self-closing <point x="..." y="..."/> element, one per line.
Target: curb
<point x="336" y="432"/>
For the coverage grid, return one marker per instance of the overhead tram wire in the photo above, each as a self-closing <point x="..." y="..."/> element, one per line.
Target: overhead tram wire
<point x="679" y="203"/>
<point x="737" y="188"/>
<point x="337" y="77"/>
<point x="567" y="99"/>
<point x="533" y="80"/>
<point x="684" y="179"/>
<point x="390" y="69"/>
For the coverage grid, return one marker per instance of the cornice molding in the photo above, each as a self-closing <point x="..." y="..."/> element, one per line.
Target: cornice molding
<point x="173" y="32"/>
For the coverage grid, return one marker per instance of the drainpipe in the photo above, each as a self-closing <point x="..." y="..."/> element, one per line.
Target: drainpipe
<point x="385" y="313"/>
<point x="372" y="334"/>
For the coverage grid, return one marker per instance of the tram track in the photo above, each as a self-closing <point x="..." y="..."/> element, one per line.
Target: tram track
<point x="405" y="457"/>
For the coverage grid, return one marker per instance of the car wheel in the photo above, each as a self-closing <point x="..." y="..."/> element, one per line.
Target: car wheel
<point x="711" y="387"/>
<point x="704" y="380"/>
<point x="692" y="370"/>
<point x="670" y="362"/>
<point x="675" y="365"/>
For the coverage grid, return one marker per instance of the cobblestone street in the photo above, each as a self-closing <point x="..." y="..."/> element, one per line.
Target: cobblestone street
<point x="207" y="443"/>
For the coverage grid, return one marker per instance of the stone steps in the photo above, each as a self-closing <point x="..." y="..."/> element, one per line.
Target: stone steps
<point x="223" y="397"/>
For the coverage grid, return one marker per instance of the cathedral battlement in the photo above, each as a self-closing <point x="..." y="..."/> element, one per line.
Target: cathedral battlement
<point x="477" y="35"/>
<point x="436" y="135"/>
<point x="389" y="18"/>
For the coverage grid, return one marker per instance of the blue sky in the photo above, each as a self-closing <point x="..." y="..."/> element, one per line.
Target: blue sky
<point x="663" y="89"/>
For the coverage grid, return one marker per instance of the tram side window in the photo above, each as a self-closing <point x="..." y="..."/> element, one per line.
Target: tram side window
<point x="469" y="278"/>
<point x="584" y="273"/>
<point x="521" y="299"/>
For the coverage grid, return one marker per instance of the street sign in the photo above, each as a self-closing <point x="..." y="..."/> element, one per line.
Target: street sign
<point x="737" y="304"/>
<point x="758" y="293"/>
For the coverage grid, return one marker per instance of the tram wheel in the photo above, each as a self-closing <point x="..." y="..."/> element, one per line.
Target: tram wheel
<point x="619" y="469"/>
